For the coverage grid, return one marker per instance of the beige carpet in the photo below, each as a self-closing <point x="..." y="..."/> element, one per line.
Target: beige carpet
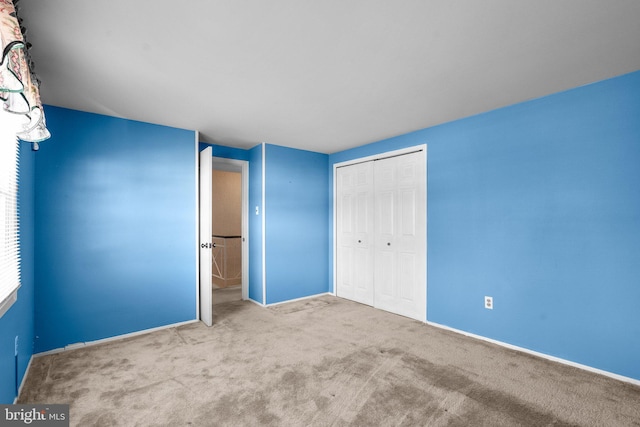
<point x="321" y="362"/>
<point x="225" y="295"/>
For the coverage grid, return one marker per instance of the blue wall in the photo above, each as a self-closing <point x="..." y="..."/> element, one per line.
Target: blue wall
<point x="255" y="225"/>
<point x="297" y="220"/>
<point x="18" y="320"/>
<point x="230" y="152"/>
<point x="115" y="226"/>
<point x="225" y="152"/>
<point x="538" y="205"/>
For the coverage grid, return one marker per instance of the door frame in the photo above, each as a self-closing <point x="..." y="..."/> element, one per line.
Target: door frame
<point x="379" y="156"/>
<point x="241" y="166"/>
<point x="197" y="214"/>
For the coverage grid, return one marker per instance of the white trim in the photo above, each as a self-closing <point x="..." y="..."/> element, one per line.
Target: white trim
<point x="383" y="155"/>
<point x="378" y="156"/>
<point x="264" y="223"/>
<point x="197" y="214"/>
<point x="245" y="230"/>
<point x="298" y="299"/>
<point x="538" y="354"/>
<point x="426" y="231"/>
<point x="24" y="377"/>
<point x="8" y="302"/>
<point x="257" y="303"/>
<point x="335" y="230"/>
<point x="114" y="338"/>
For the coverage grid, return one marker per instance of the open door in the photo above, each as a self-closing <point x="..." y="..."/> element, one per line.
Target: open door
<point x="206" y="304"/>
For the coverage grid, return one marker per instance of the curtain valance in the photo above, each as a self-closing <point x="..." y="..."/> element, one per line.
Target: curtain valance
<point x="19" y="86"/>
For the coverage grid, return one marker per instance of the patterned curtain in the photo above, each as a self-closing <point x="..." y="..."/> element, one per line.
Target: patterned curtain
<point x="19" y="86"/>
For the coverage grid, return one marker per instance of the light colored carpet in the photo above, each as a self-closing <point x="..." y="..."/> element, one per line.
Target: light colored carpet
<point x="225" y="295"/>
<point x="321" y="362"/>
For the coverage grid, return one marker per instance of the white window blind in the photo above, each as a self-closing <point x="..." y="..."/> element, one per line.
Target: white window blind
<point x="9" y="236"/>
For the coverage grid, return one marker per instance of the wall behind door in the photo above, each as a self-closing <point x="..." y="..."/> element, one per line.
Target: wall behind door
<point x="226" y="211"/>
<point x="115" y="228"/>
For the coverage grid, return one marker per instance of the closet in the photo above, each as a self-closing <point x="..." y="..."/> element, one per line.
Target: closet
<point x="381" y="233"/>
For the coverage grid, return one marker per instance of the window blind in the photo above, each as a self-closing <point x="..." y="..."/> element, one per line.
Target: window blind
<point x="9" y="225"/>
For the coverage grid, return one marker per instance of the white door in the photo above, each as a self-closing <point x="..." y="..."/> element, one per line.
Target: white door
<point x="355" y="247"/>
<point x="400" y="235"/>
<point x="206" y="290"/>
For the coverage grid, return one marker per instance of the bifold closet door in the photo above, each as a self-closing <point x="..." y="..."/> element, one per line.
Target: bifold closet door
<point x="400" y="235"/>
<point x="355" y="228"/>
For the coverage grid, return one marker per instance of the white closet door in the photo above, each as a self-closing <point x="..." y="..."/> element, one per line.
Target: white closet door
<point x="400" y="235"/>
<point x="355" y="249"/>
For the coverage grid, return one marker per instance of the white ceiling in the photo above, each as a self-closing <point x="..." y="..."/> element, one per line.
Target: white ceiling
<point x="321" y="75"/>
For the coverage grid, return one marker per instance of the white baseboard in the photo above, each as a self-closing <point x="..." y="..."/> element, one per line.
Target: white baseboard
<point x="542" y="355"/>
<point x="114" y="338"/>
<point x="256" y="302"/>
<point x="146" y="331"/>
<point x="24" y="377"/>
<point x="297" y="299"/>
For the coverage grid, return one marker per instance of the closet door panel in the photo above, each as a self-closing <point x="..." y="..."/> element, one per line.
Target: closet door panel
<point x="408" y="212"/>
<point x="411" y="239"/>
<point x="345" y="233"/>
<point x="346" y="274"/>
<point x="400" y="184"/>
<point x="385" y="213"/>
<point x="346" y="212"/>
<point x="384" y="289"/>
<point x="363" y="278"/>
<point x="355" y="231"/>
<point x="406" y="276"/>
<point x="385" y="283"/>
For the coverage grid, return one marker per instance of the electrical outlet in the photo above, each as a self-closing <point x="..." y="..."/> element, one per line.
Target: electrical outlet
<point x="16" y="350"/>
<point x="488" y="303"/>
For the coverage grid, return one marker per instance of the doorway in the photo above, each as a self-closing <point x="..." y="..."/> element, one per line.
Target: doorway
<point x="224" y="228"/>
<point x="227" y="231"/>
